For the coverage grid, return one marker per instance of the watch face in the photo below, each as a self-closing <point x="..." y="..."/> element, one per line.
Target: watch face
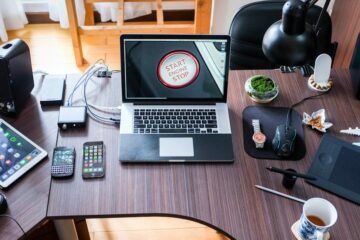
<point x="259" y="137"/>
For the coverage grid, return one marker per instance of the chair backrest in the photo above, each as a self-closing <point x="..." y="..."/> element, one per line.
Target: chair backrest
<point x="355" y="60"/>
<point x="355" y="68"/>
<point x="250" y="24"/>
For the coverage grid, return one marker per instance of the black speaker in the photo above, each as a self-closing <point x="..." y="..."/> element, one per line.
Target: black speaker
<point x="16" y="76"/>
<point x="355" y="68"/>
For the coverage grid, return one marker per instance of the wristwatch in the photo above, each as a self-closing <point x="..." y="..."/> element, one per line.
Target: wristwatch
<point x="259" y="138"/>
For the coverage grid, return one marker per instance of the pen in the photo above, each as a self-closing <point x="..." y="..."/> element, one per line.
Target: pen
<point x="280" y="194"/>
<point x="300" y="175"/>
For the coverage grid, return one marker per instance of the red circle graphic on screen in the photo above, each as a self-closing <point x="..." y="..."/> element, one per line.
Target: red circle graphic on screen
<point x="178" y="69"/>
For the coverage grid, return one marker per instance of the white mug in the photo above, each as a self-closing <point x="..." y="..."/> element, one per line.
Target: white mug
<point x="317" y="217"/>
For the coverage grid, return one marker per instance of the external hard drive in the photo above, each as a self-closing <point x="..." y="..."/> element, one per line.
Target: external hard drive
<point x="52" y="90"/>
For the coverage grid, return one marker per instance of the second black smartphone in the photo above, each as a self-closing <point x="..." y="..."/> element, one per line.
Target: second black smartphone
<point x="63" y="162"/>
<point x="93" y="160"/>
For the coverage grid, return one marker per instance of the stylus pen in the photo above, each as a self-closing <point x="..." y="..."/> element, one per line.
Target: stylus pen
<point x="280" y="194"/>
<point x="300" y="175"/>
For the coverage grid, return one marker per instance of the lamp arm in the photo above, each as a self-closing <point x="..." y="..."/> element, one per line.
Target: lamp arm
<point x="310" y="3"/>
<point x="323" y="10"/>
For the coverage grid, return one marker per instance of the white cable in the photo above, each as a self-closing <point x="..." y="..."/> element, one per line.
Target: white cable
<point x="40" y="72"/>
<point x="92" y="113"/>
<point x="92" y="108"/>
<point x="105" y="108"/>
<point x="89" y="72"/>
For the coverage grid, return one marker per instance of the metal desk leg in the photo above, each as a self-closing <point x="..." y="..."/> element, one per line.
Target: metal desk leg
<point x="65" y="229"/>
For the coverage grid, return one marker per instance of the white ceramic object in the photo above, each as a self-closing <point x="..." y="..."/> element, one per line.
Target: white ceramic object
<point x="320" y="80"/>
<point x="322" y="68"/>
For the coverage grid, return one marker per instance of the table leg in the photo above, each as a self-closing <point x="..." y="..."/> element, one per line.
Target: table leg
<point x="65" y="229"/>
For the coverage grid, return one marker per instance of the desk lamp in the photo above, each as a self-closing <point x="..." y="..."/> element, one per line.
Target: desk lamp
<point x="291" y="41"/>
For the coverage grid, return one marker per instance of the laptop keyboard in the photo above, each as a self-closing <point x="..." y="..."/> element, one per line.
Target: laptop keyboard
<point x="184" y="121"/>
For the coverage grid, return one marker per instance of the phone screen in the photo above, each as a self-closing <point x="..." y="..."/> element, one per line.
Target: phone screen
<point x="63" y="156"/>
<point x="93" y="160"/>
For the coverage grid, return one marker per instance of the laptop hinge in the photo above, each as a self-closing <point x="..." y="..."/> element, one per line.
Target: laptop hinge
<point x="178" y="103"/>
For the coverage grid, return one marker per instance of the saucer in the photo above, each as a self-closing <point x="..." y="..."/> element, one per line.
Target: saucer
<point x="295" y="227"/>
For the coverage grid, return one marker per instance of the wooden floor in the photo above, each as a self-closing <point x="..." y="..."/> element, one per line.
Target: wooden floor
<point x="51" y="48"/>
<point x="150" y="228"/>
<point x="51" y="51"/>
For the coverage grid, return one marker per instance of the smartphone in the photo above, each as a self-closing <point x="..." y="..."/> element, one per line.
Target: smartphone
<point x="63" y="162"/>
<point x="93" y="160"/>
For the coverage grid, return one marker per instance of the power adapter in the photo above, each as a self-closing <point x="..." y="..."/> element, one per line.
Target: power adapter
<point x="72" y="117"/>
<point x="104" y="74"/>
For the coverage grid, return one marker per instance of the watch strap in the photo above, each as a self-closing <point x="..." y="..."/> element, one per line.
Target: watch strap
<point x="256" y="125"/>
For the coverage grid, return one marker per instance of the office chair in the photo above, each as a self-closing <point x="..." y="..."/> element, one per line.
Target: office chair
<point x="355" y="59"/>
<point x="250" y="24"/>
<point x="354" y="68"/>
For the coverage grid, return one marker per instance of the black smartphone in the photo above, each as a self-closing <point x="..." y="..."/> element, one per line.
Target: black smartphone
<point x="63" y="162"/>
<point x="93" y="160"/>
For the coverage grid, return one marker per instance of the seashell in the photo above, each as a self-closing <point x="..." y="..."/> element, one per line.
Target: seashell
<point x="317" y="120"/>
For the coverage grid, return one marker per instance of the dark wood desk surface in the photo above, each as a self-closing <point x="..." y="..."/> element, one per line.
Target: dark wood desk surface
<point x="220" y="195"/>
<point x="28" y="196"/>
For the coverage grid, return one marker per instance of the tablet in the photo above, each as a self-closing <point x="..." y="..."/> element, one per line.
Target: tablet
<point x="336" y="166"/>
<point x="18" y="154"/>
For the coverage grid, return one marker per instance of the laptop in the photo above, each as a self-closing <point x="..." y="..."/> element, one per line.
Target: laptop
<point x="174" y="90"/>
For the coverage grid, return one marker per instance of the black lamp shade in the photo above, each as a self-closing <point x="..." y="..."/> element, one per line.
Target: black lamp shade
<point x="290" y="41"/>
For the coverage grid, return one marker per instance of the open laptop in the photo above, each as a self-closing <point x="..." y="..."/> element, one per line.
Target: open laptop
<point x="174" y="90"/>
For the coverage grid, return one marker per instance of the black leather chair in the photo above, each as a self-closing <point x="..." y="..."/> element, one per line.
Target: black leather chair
<point x="354" y="68"/>
<point x="250" y="24"/>
<point x="355" y="60"/>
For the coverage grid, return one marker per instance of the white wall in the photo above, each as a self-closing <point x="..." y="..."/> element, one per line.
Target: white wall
<point x="224" y="10"/>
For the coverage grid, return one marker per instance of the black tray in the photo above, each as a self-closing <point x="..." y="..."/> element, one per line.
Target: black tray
<point x="270" y="117"/>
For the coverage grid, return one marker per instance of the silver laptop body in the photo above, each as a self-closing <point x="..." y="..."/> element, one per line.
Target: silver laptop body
<point x="174" y="90"/>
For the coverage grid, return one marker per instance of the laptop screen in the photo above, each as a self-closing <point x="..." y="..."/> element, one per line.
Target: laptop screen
<point x="158" y="68"/>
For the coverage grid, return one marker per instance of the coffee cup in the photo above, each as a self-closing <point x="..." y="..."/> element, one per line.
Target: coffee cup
<point x="317" y="217"/>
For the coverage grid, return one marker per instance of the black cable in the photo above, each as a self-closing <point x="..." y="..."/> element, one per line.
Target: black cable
<point x="297" y="103"/>
<point x="323" y="10"/>
<point x="310" y="3"/>
<point x="8" y="216"/>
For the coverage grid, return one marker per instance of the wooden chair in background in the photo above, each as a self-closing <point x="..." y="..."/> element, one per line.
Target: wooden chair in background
<point x="199" y="25"/>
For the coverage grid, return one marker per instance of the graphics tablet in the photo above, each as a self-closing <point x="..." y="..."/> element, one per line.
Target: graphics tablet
<point x="18" y="154"/>
<point x="336" y="166"/>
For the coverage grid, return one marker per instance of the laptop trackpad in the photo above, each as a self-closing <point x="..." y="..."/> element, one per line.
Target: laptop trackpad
<point x="176" y="147"/>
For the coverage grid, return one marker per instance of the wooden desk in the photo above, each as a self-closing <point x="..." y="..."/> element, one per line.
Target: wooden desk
<point x="220" y="195"/>
<point x="28" y="196"/>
